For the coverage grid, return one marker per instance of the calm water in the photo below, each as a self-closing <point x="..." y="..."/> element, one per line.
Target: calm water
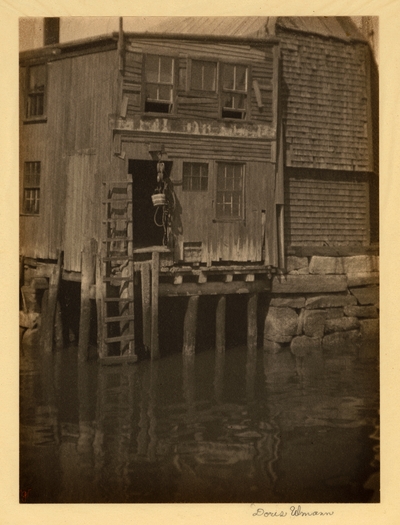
<point x="227" y="428"/>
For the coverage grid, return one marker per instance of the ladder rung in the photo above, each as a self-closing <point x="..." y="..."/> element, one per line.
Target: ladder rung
<point x="119" y="318"/>
<point x="117" y="239"/>
<point x="119" y="338"/>
<point x="118" y="299"/>
<point x="117" y="258"/>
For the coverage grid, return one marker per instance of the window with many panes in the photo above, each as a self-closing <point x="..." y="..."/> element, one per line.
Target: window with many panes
<point x="36" y="83"/>
<point x="234" y="91"/>
<point x="31" y="195"/>
<point x="203" y="76"/>
<point x="230" y="191"/>
<point x="159" y="78"/>
<point x="195" y="176"/>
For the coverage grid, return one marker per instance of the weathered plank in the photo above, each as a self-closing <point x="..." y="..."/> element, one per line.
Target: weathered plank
<point x="220" y="324"/>
<point x="88" y="277"/>
<point x="47" y="328"/>
<point x="190" y="326"/>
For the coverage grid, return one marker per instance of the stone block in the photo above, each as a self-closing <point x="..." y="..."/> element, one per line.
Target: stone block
<point x="302" y="271"/>
<point x="308" y="284"/>
<point x="291" y="302"/>
<point x="341" y="342"/>
<point x="334" y="313"/>
<point x="303" y="345"/>
<point x="369" y="295"/>
<point x="361" y="311"/>
<point x="330" y="301"/>
<point x="361" y="264"/>
<point x="272" y="347"/>
<point x="296" y="263"/>
<point x="280" y="324"/>
<point x="344" y="324"/>
<point x="362" y="278"/>
<point x="314" y="323"/>
<point x="326" y="265"/>
<point x="369" y="329"/>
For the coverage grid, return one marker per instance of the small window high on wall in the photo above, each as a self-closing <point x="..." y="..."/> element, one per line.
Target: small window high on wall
<point x="195" y="176"/>
<point x="230" y="186"/>
<point x="234" y="91"/>
<point x="203" y="76"/>
<point x="36" y="84"/>
<point x="159" y="77"/>
<point x="31" y="195"/>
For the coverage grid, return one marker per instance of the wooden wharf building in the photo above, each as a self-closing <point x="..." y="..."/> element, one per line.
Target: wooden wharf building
<point x="255" y="137"/>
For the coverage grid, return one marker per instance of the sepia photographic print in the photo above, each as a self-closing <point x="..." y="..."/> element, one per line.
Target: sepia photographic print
<point x="199" y="261"/>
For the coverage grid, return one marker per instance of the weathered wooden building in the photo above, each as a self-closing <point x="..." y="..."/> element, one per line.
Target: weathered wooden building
<point x="188" y="161"/>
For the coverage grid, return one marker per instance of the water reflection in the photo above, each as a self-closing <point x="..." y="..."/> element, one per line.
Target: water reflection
<point x="220" y="427"/>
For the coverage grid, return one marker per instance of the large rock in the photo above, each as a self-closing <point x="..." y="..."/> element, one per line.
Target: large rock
<point x="343" y="324"/>
<point x="291" y="302"/>
<point x="330" y="301"/>
<point x="369" y="329"/>
<point x="361" y="264"/>
<point x="303" y="345"/>
<point x="296" y="263"/>
<point x="361" y="311"/>
<point x="272" y="347"/>
<point x="326" y="265"/>
<point x="314" y="323"/>
<point x="308" y="284"/>
<point x="334" y="313"/>
<point x="280" y="324"/>
<point x="362" y="278"/>
<point x="341" y="342"/>
<point x="369" y="295"/>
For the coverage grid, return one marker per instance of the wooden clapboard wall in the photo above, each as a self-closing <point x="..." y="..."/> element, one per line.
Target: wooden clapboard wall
<point x="74" y="145"/>
<point x="326" y="208"/>
<point x="204" y="105"/>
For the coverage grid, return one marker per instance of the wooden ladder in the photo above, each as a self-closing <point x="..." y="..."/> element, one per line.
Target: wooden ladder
<point x="117" y="339"/>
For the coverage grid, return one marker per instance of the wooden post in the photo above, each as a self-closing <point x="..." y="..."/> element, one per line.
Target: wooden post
<point x="252" y="322"/>
<point x="155" y="268"/>
<point x="88" y="267"/>
<point x="146" y="304"/>
<point x="47" y="329"/>
<point x="100" y="294"/>
<point x="58" y="328"/>
<point x="220" y="324"/>
<point x="190" y="326"/>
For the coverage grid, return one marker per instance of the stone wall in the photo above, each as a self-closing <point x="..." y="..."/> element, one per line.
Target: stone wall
<point x="328" y="303"/>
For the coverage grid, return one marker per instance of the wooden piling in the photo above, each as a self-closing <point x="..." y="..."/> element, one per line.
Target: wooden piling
<point x="220" y="324"/>
<point x="58" y="328"/>
<point x="146" y="304"/>
<point x="252" y="322"/>
<point x="47" y="329"/>
<point x="100" y="294"/>
<point x="155" y="268"/>
<point x="190" y="326"/>
<point x="87" y="272"/>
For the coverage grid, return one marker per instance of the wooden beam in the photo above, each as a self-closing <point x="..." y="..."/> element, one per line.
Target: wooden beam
<point x="252" y="322"/>
<point x="88" y="272"/>
<point x="332" y="251"/>
<point x="47" y="330"/>
<point x="100" y="291"/>
<point x="190" y="326"/>
<point x="155" y="268"/>
<point x="58" y="328"/>
<point x="214" y="288"/>
<point x="146" y="303"/>
<point x="220" y="324"/>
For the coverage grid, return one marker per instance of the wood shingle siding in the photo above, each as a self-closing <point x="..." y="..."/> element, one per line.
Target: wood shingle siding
<point x="325" y="208"/>
<point x="325" y="102"/>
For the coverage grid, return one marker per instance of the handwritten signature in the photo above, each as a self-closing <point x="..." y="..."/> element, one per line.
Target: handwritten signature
<point x="24" y="494"/>
<point x="293" y="511"/>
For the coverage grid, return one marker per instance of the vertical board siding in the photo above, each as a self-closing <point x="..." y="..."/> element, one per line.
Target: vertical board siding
<point x="325" y="208"/>
<point x="81" y="94"/>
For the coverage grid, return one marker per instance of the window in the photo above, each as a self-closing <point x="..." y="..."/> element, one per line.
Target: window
<point x="36" y="91"/>
<point x="203" y="76"/>
<point x="195" y="176"/>
<point x="159" y="76"/>
<point x="230" y="191"/>
<point x="31" y="197"/>
<point x="234" y="91"/>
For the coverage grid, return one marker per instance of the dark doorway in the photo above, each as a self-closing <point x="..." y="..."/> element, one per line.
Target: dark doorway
<point x="144" y="181"/>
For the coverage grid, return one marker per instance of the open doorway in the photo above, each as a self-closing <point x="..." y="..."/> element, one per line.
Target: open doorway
<point x="144" y="181"/>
